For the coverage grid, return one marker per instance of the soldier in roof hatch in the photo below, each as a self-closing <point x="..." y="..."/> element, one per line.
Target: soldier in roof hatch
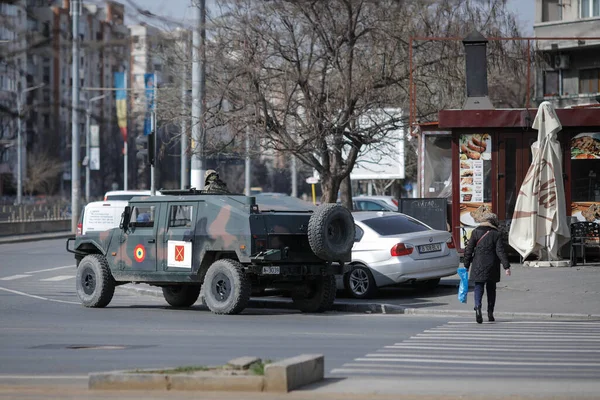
<point x="212" y="183"/>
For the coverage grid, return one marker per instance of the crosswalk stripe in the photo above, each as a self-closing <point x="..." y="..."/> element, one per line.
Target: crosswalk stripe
<point x="522" y="338"/>
<point x="384" y="356"/>
<point x="413" y="370"/>
<point x="13" y="277"/>
<point x="490" y="348"/>
<point x="482" y="362"/>
<point x="536" y="323"/>
<point x="58" y="278"/>
<point x="537" y="334"/>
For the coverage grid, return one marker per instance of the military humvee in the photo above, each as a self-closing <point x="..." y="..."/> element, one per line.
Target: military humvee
<point x="188" y="240"/>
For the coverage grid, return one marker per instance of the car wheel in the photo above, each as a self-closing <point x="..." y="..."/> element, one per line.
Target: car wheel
<point x="317" y="297"/>
<point x="181" y="295"/>
<point x="95" y="285"/>
<point x="331" y="232"/>
<point x="359" y="282"/>
<point x="227" y="289"/>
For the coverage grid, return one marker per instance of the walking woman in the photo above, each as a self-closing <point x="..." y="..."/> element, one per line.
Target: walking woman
<point x="485" y="253"/>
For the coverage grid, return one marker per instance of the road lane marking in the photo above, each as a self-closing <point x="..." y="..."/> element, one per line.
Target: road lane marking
<point x="58" y="278"/>
<point x="51" y="269"/>
<point x="487" y="349"/>
<point x="561" y="323"/>
<point x="13" y="277"/>
<point x="417" y="370"/>
<point x="513" y="335"/>
<point x="384" y="356"/>
<point x="44" y="377"/>
<point x="521" y="338"/>
<point x="473" y="362"/>
<point x="38" y="297"/>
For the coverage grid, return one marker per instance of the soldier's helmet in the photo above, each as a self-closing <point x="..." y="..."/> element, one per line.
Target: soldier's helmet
<point x="210" y="175"/>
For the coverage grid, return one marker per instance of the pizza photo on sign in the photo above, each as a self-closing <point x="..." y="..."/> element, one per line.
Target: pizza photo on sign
<point x="585" y="146"/>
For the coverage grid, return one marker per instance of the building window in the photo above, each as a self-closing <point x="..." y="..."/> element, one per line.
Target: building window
<point x="551" y="10"/>
<point x="589" y="81"/>
<point x="551" y="83"/>
<point x="589" y="8"/>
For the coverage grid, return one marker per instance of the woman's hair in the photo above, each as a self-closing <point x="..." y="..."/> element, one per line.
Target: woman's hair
<point x="491" y="218"/>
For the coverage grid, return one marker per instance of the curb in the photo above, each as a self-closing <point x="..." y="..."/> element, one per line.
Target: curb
<point x="382" y="308"/>
<point x="35" y="238"/>
<point x="281" y="377"/>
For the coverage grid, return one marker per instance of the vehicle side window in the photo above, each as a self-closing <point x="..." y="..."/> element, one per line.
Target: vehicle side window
<point x="143" y="216"/>
<point x="370" y="206"/>
<point x="358" y="233"/>
<point x="180" y="216"/>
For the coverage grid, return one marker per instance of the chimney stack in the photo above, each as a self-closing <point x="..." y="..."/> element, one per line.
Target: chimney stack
<point x="476" y="72"/>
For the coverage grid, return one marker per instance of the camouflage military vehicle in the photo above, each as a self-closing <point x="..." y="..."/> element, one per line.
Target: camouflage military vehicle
<point x="227" y="245"/>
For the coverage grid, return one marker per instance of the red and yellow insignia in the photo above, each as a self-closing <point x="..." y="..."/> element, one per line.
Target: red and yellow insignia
<point x="139" y="253"/>
<point x="179" y="253"/>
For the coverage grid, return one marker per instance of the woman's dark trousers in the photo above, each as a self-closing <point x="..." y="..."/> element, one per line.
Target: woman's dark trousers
<point x="490" y="287"/>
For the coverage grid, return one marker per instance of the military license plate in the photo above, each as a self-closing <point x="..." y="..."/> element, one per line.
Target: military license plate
<point x="430" y="248"/>
<point x="270" y="270"/>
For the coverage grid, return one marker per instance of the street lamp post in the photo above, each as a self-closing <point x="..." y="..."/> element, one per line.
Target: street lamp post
<point x="88" y="116"/>
<point x="19" y="96"/>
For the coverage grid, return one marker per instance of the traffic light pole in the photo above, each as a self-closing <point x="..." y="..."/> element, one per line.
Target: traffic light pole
<point x="153" y="138"/>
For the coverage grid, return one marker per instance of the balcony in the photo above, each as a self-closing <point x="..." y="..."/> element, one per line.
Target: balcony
<point x="580" y="28"/>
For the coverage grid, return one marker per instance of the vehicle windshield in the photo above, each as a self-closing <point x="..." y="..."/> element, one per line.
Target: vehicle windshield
<point x="121" y="196"/>
<point x="395" y="225"/>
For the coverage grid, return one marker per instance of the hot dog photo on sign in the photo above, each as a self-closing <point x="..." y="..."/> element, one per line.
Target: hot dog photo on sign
<point x="475" y="147"/>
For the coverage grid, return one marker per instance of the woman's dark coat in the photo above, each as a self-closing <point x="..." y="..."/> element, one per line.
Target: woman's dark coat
<point x="484" y="262"/>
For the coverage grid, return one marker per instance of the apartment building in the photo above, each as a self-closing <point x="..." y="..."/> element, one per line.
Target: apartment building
<point x="37" y="40"/>
<point x="569" y="70"/>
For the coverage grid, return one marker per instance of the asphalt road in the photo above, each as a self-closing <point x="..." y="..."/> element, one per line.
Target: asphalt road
<point x="45" y="332"/>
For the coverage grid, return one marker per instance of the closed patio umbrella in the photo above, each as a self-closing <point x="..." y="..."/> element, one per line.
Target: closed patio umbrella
<point x="539" y="221"/>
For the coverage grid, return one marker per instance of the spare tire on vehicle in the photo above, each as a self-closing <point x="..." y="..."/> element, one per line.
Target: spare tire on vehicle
<point x="331" y="232"/>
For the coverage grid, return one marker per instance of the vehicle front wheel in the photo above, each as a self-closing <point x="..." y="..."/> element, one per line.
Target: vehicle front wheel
<point x="181" y="295"/>
<point x="94" y="283"/>
<point x="227" y="289"/>
<point x="359" y="282"/>
<point x="317" y="297"/>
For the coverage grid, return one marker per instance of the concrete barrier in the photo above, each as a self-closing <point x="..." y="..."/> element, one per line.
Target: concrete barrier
<point x="292" y="373"/>
<point x="30" y="227"/>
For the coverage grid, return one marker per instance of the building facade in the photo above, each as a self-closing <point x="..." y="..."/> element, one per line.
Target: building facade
<point x="569" y="69"/>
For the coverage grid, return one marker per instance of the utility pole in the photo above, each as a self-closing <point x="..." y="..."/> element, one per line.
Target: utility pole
<point x="294" y="178"/>
<point x="184" y="140"/>
<point x="88" y="116"/>
<point x="198" y="92"/>
<point x="75" y="179"/>
<point x="248" y="164"/>
<point x="125" y="146"/>
<point x="155" y="133"/>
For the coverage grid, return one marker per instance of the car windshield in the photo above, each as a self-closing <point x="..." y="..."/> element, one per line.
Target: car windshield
<point x="395" y="225"/>
<point x="120" y="196"/>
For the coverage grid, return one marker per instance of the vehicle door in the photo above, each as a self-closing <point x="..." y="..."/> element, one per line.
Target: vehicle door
<point x="138" y="241"/>
<point x="178" y="237"/>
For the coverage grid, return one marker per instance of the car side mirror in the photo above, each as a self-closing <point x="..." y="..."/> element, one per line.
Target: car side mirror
<point x="125" y="218"/>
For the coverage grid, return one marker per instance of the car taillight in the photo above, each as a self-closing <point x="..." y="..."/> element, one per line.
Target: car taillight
<point x="401" y="249"/>
<point x="79" y="229"/>
<point x="450" y="243"/>
<point x="395" y="201"/>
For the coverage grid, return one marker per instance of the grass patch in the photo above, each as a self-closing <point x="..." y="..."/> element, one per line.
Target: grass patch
<point x="259" y="367"/>
<point x="178" y="370"/>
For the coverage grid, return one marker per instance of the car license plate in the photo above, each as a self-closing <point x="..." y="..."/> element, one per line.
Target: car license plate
<point x="270" y="270"/>
<point x="429" y="248"/>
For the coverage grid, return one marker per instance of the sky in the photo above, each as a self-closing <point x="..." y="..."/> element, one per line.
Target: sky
<point x="180" y="10"/>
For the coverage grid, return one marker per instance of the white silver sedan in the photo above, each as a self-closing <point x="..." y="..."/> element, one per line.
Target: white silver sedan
<point x="392" y="248"/>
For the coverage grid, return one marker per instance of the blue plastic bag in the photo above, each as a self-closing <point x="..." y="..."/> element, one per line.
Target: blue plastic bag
<point x="463" y="288"/>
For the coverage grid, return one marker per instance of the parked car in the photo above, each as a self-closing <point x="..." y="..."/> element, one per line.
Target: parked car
<point x="394" y="248"/>
<point x="126" y="195"/>
<point x="375" y="203"/>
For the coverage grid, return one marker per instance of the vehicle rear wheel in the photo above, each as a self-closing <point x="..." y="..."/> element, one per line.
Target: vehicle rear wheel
<point x="95" y="285"/>
<point x="331" y="232"/>
<point x="359" y="282"/>
<point x="181" y="295"/>
<point x="318" y="296"/>
<point x="227" y="289"/>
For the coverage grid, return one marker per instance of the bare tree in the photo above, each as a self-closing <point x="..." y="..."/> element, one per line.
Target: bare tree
<point x="42" y="173"/>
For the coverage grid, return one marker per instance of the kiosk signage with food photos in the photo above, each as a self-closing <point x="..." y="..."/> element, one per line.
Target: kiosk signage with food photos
<point x="585" y="171"/>
<point x="475" y="169"/>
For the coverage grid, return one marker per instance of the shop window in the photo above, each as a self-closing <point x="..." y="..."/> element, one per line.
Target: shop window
<point x="589" y="81"/>
<point x="585" y="176"/>
<point x="551" y="83"/>
<point x="551" y="10"/>
<point x="589" y="8"/>
<point x="437" y="175"/>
